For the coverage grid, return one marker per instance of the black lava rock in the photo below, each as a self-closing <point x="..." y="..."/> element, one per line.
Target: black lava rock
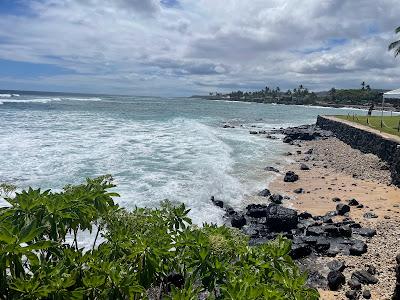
<point x="257" y="210"/>
<point x="364" y="277"/>
<point x="366" y="294"/>
<point x="271" y="169"/>
<point x="342" y="209"/>
<point x="336" y="265"/>
<point x="280" y="218"/>
<point x="238" y="221"/>
<point x="352" y="295"/>
<point x="336" y="199"/>
<point x="358" y="248"/>
<point x="304" y="167"/>
<point x="299" y="191"/>
<point x="276" y="198"/>
<point x="370" y="215"/>
<point x="335" y="280"/>
<point x="264" y="193"/>
<point x="300" y="251"/>
<point x="291" y="177"/>
<point x="354" y="284"/>
<point x="353" y="202"/>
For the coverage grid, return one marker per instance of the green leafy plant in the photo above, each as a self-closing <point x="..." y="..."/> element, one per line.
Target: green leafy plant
<point x="144" y="254"/>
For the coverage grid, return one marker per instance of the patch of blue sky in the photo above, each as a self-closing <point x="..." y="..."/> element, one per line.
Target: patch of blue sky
<point x="15" y="7"/>
<point x="19" y="69"/>
<point x="170" y="3"/>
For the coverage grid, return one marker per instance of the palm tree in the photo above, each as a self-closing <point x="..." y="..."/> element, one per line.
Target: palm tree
<point x="395" y="45"/>
<point x="363" y="85"/>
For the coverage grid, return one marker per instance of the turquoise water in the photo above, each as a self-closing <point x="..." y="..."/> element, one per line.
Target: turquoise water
<point x="156" y="148"/>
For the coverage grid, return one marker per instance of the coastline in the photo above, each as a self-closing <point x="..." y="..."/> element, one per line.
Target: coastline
<point x="337" y="170"/>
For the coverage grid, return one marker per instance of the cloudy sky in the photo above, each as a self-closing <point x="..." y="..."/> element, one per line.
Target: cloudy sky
<point x="184" y="47"/>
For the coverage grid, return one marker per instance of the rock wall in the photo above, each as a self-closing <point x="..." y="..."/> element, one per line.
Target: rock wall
<point x="367" y="142"/>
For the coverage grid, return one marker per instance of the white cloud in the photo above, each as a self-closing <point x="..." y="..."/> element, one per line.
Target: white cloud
<point x="202" y="45"/>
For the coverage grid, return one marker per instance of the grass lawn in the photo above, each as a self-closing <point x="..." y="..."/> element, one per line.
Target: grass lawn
<point x="390" y="123"/>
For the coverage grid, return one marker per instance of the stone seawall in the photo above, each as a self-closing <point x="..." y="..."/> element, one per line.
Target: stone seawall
<point x="367" y="141"/>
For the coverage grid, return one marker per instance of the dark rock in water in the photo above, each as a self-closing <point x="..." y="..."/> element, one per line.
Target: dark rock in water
<point x="299" y="191"/>
<point x="306" y="133"/>
<point x="367" y="294"/>
<point x="276" y="198"/>
<point x="288" y="154"/>
<point x="253" y="132"/>
<point x="336" y="199"/>
<point x="298" y="151"/>
<point x="305" y="215"/>
<point x="262" y="132"/>
<point x="336" y="265"/>
<point x="335" y="280"/>
<point x="364" y="277"/>
<point x="354" y="284"/>
<point x="229" y="210"/>
<point x="287" y="139"/>
<point x="228" y="126"/>
<point x="304" y="167"/>
<point x="342" y="209"/>
<point x="300" y="251"/>
<point x="216" y="202"/>
<point x="370" y="215"/>
<point x="367" y="232"/>
<point x="358" y="248"/>
<point x="271" y="169"/>
<point x="291" y="177"/>
<point x="238" y="221"/>
<point x="352" y="295"/>
<point x="264" y="193"/>
<point x="281" y="218"/>
<point x="353" y="202"/>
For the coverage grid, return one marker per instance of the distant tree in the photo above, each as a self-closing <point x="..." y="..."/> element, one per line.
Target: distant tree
<point x="211" y="93"/>
<point x="368" y="88"/>
<point x="332" y="93"/>
<point x="363" y="85"/>
<point x="395" y="46"/>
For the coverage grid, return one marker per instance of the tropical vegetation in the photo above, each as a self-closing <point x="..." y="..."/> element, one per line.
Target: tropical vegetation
<point x="395" y="46"/>
<point x="142" y="254"/>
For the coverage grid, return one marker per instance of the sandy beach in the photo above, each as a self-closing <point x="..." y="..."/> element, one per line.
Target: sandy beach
<point x="338" y="171"/>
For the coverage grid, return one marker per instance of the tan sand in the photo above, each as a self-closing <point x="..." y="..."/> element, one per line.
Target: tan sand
<point x="333" y="174"/>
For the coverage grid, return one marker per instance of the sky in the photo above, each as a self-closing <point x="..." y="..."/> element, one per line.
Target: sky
<point x="185" y="47"/>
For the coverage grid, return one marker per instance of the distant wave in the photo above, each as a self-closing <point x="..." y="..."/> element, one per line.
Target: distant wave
<point x="5" y="95"/>
<point x="38" y="100"/>
<point x="82" y="99"/>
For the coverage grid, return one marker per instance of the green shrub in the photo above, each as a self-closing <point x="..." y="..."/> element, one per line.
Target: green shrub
<point x="142" y="252"/>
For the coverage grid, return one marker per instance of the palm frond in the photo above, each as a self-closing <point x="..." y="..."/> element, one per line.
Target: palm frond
<point x="397" y="30"/>
<point x="394" y="45"/>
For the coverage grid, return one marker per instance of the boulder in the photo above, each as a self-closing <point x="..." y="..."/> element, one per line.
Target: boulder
<point x="335" y="280"/>
<point x="304" y="167"/>
<point x="216" y="202"/>
<point x="271" y="169"/>
<point x="364" y="277"/>
<point x="354" y="284"/>
<point x="287" y="139"/>
<point x="336" y="199"/>
<point x="353" y="202"/>
<point x="291" y="177"/>
<point x="305" y="215"/>
<point x="280" y="218"/>
<point x="299" y="191"/>
<point x="367" y="232"/>
<point x="238" y="221"/>
<point x="370" y="215"/>
<point x="264" y="193"/>
<point x="276" y="198"/>
<point x="366" y="294"/>
<point x="314" y="231"/>
<point x="257" y="210"/>
<point x="358" y="248"/>
<point x="336" y="265"/>
<point x="352" y="295"/>
<point x="253" y="132"/>
<point x="342" y="209"/>
<point x="300" y="251"/>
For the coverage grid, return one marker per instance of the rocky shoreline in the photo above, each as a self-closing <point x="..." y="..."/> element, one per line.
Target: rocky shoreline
<point x="337" y="237"/>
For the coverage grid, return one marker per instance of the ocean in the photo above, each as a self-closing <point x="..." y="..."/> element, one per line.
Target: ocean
<point x="156" y="148"/>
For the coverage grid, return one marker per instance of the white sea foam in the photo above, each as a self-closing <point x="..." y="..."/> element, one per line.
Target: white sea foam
<point x="34" y="100"/>
<point x="82" y="99"/>
<point x="5" y="95"/>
